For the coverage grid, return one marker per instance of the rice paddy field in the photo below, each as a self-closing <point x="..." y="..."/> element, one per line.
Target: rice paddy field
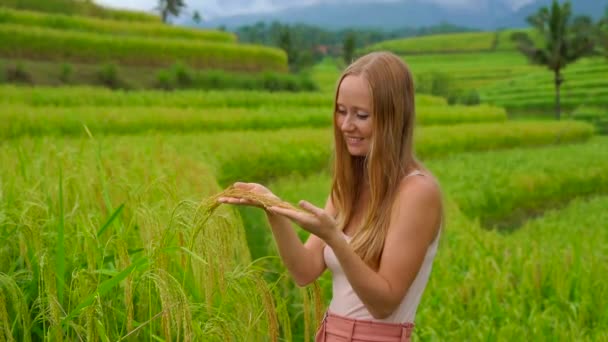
<point x="109" y="230"/>
<point x="488" y="63"/>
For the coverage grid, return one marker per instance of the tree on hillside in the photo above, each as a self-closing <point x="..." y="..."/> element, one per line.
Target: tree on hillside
<point x="170" y="7"/>
<point x="348" y="48"/>
<point x="284" y="42"/>
<point x="196" y="17"/>
<point x="603" y="34"/>
<point x="564" y="41"/>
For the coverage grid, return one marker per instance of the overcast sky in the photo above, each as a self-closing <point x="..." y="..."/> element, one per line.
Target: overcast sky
<point x="217" y="8"/>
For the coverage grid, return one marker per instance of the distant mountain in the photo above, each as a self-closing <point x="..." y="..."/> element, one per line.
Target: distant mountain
<point x="487" y="15"/>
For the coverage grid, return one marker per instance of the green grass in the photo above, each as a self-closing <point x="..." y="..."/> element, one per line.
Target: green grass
<point x="68" y="46"/>
<point x="108" y="26"/>
<point x="84" y="8"/>
<point x="100" y="97"/>
<point x="26" y="120"/>
<point x="104" y="241"/>
<point x="488" y="285"/>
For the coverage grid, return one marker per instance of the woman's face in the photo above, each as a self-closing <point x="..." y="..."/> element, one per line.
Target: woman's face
<point x="353" y="114"/>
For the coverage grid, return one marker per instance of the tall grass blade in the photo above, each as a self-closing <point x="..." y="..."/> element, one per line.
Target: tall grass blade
<point x="60" y="248"/>
<point x="105" y="287"/>
<point x="110" y="220"/>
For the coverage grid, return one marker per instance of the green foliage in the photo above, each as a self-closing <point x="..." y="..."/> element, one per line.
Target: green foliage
<point x="17" y="73"/>
<point x="528" y="292"/>
<point x="564" y="41"/>
<point x="466" y="97"/>
<point x="168" y="8"/>
<point x="76" y="7"/>
<point x="434" y="83"/>
<point x="196" y="17"/>
<point x="182" y="77"/>
<point x="108" y="26"/>
<point x="165" y="80"/>
<point x="319" y="42"/>
<point x="65" y="73"/>
<point x="348" y="48"/>
<point x="108" y="75"/>
<point x="32" y="121"/>
<point x="73" y="46"/>
<point x="146" y="257"/>
<point x="598" y="116"/>
<point x="587" y="85"/>
<point x="602" y="34"/>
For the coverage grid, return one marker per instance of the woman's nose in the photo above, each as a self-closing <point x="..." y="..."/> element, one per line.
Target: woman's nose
<point x="347" y="124"/>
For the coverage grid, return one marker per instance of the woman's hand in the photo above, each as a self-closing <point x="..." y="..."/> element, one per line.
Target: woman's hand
<point x="315" y="220"/>
<point x="255" y="188"/>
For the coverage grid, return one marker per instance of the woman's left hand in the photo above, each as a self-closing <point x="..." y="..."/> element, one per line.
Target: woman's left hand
<point x="315" y="220"/>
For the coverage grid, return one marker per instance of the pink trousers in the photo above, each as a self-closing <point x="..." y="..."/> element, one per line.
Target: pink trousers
<point x="336" y="328"/>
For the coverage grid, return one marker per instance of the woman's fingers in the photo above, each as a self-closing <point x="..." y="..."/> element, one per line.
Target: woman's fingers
<point x="311" y="208"/>
<point x="235" y="200"/>
<point x="289" y="213"/>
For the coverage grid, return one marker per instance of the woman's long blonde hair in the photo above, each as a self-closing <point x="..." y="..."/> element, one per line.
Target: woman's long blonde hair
<point x="390" y="157"/>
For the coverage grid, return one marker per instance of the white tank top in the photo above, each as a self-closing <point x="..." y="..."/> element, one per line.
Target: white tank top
<point x="345" y="301"/>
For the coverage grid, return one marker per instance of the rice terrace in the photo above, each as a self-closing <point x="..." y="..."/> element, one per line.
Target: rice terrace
<point x="119" y="129"/>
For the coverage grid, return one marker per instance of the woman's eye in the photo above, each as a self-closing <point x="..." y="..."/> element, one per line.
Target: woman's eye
<point x="341" y="111"/>
<point x="362" y="115"/>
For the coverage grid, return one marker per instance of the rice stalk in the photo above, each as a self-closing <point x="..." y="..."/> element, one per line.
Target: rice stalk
<point x="5" y="329"/>
<point x="306" y="312"/>
<point x="50" y="299"/>
<point x="124" y="262"/>
<point x="269" y="306"/>
<point x="9" y="289"/>
<point x="176" y="315"/>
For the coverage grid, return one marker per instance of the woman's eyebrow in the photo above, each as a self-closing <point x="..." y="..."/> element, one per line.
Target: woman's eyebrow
<point x="354" y="107"/>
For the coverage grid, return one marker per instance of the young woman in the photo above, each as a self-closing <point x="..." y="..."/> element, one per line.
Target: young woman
<point x="379" y="230"/>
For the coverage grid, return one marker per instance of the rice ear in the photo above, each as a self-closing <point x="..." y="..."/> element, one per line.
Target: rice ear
<point x="265" y="201"/>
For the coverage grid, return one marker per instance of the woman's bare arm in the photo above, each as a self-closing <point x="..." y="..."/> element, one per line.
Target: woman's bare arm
<point x="303" y="261"/>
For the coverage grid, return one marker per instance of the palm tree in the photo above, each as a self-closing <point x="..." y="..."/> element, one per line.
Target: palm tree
<point x="170" y="7"/>
<point x="565" y="41"/>
<point x="603" y="34"/>
<point x="196" y="17"/>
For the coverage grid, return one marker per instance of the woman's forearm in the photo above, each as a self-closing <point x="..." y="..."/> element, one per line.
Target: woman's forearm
<point x="292" y="251"/>
<point x="373" y="290"/>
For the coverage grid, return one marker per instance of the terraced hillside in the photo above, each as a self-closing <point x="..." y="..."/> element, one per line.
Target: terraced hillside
<point x="58" y="49"/>
<point x="488" y="63"/>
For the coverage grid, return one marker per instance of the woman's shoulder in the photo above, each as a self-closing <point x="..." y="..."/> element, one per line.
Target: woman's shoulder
<point x="419" y="199"/>
<point x="420" y="185"/>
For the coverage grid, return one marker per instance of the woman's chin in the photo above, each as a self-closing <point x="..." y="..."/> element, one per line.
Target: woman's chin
<point x="356" y="152"/>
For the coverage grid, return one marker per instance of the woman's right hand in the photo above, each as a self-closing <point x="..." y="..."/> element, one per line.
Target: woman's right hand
<point x="255" y="188"/>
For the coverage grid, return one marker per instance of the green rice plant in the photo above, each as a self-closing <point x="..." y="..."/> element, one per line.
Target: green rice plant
<point x="112" y="242"/>
<point x="306" y="151"/>
<point x="154" y="29"/>
<point x="25" y="120"/>
<point x="70" y="46"/>
<point x="458" y="114"/>
<point x="65" y="73"/>
<point x="487" y="285"/>
<point x="84" y="8"/>
<point x="598" y="116"/>
<point x="440" y="43"/>
<point x="94" y="96"/>
<point x="502" y="187"/>
<point x="490" y="285"/>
